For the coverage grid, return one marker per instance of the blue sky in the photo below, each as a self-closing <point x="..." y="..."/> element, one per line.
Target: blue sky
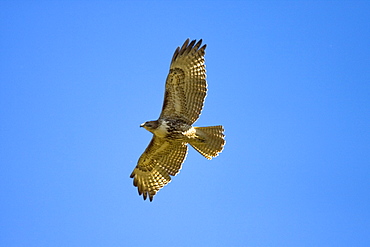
<point x="289" y="80"/>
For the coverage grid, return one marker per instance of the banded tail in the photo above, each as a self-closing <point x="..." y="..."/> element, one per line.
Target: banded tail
<point x="209" y="141"/>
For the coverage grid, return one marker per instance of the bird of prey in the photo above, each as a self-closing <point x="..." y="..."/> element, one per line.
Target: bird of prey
<point x="185" y="90"/>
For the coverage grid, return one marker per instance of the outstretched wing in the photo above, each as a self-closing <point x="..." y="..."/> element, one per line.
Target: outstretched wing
<point x="186" y="85"/>
<point x="160" y="159"/>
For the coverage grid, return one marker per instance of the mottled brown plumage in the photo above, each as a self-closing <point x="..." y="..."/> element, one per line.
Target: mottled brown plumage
<point x="186" y="88"/>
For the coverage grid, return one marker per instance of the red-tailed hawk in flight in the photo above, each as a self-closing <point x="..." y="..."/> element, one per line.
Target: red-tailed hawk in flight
<point x="186" y="88"/>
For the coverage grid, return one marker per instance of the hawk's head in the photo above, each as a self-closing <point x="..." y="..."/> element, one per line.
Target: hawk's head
<point x="150" y="125"/>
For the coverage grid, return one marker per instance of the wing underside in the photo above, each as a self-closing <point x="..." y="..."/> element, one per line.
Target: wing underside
<point x="161" y="159"/>
<point x="186" y="85"/>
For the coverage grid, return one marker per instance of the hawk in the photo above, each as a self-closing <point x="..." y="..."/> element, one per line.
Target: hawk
<point x="185" y="90"/>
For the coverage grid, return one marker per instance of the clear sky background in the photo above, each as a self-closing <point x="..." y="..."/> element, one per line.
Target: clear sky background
<point x="289" y="80"/>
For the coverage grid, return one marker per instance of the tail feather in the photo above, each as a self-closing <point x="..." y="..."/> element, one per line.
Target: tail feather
<point x="209" y="141"/>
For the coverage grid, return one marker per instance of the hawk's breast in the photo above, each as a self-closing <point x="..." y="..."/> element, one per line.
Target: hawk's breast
<point x="162" y="130"/>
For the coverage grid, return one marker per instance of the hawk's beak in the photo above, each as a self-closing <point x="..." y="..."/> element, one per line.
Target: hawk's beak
<point x="142" y="125"/>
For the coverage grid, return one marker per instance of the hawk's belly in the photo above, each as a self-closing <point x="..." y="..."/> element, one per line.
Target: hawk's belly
<point x="174" y="130"/>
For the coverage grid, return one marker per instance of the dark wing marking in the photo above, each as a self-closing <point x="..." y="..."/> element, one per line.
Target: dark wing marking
<point x="160" y="159"/>
<point x="186" y="85"/>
